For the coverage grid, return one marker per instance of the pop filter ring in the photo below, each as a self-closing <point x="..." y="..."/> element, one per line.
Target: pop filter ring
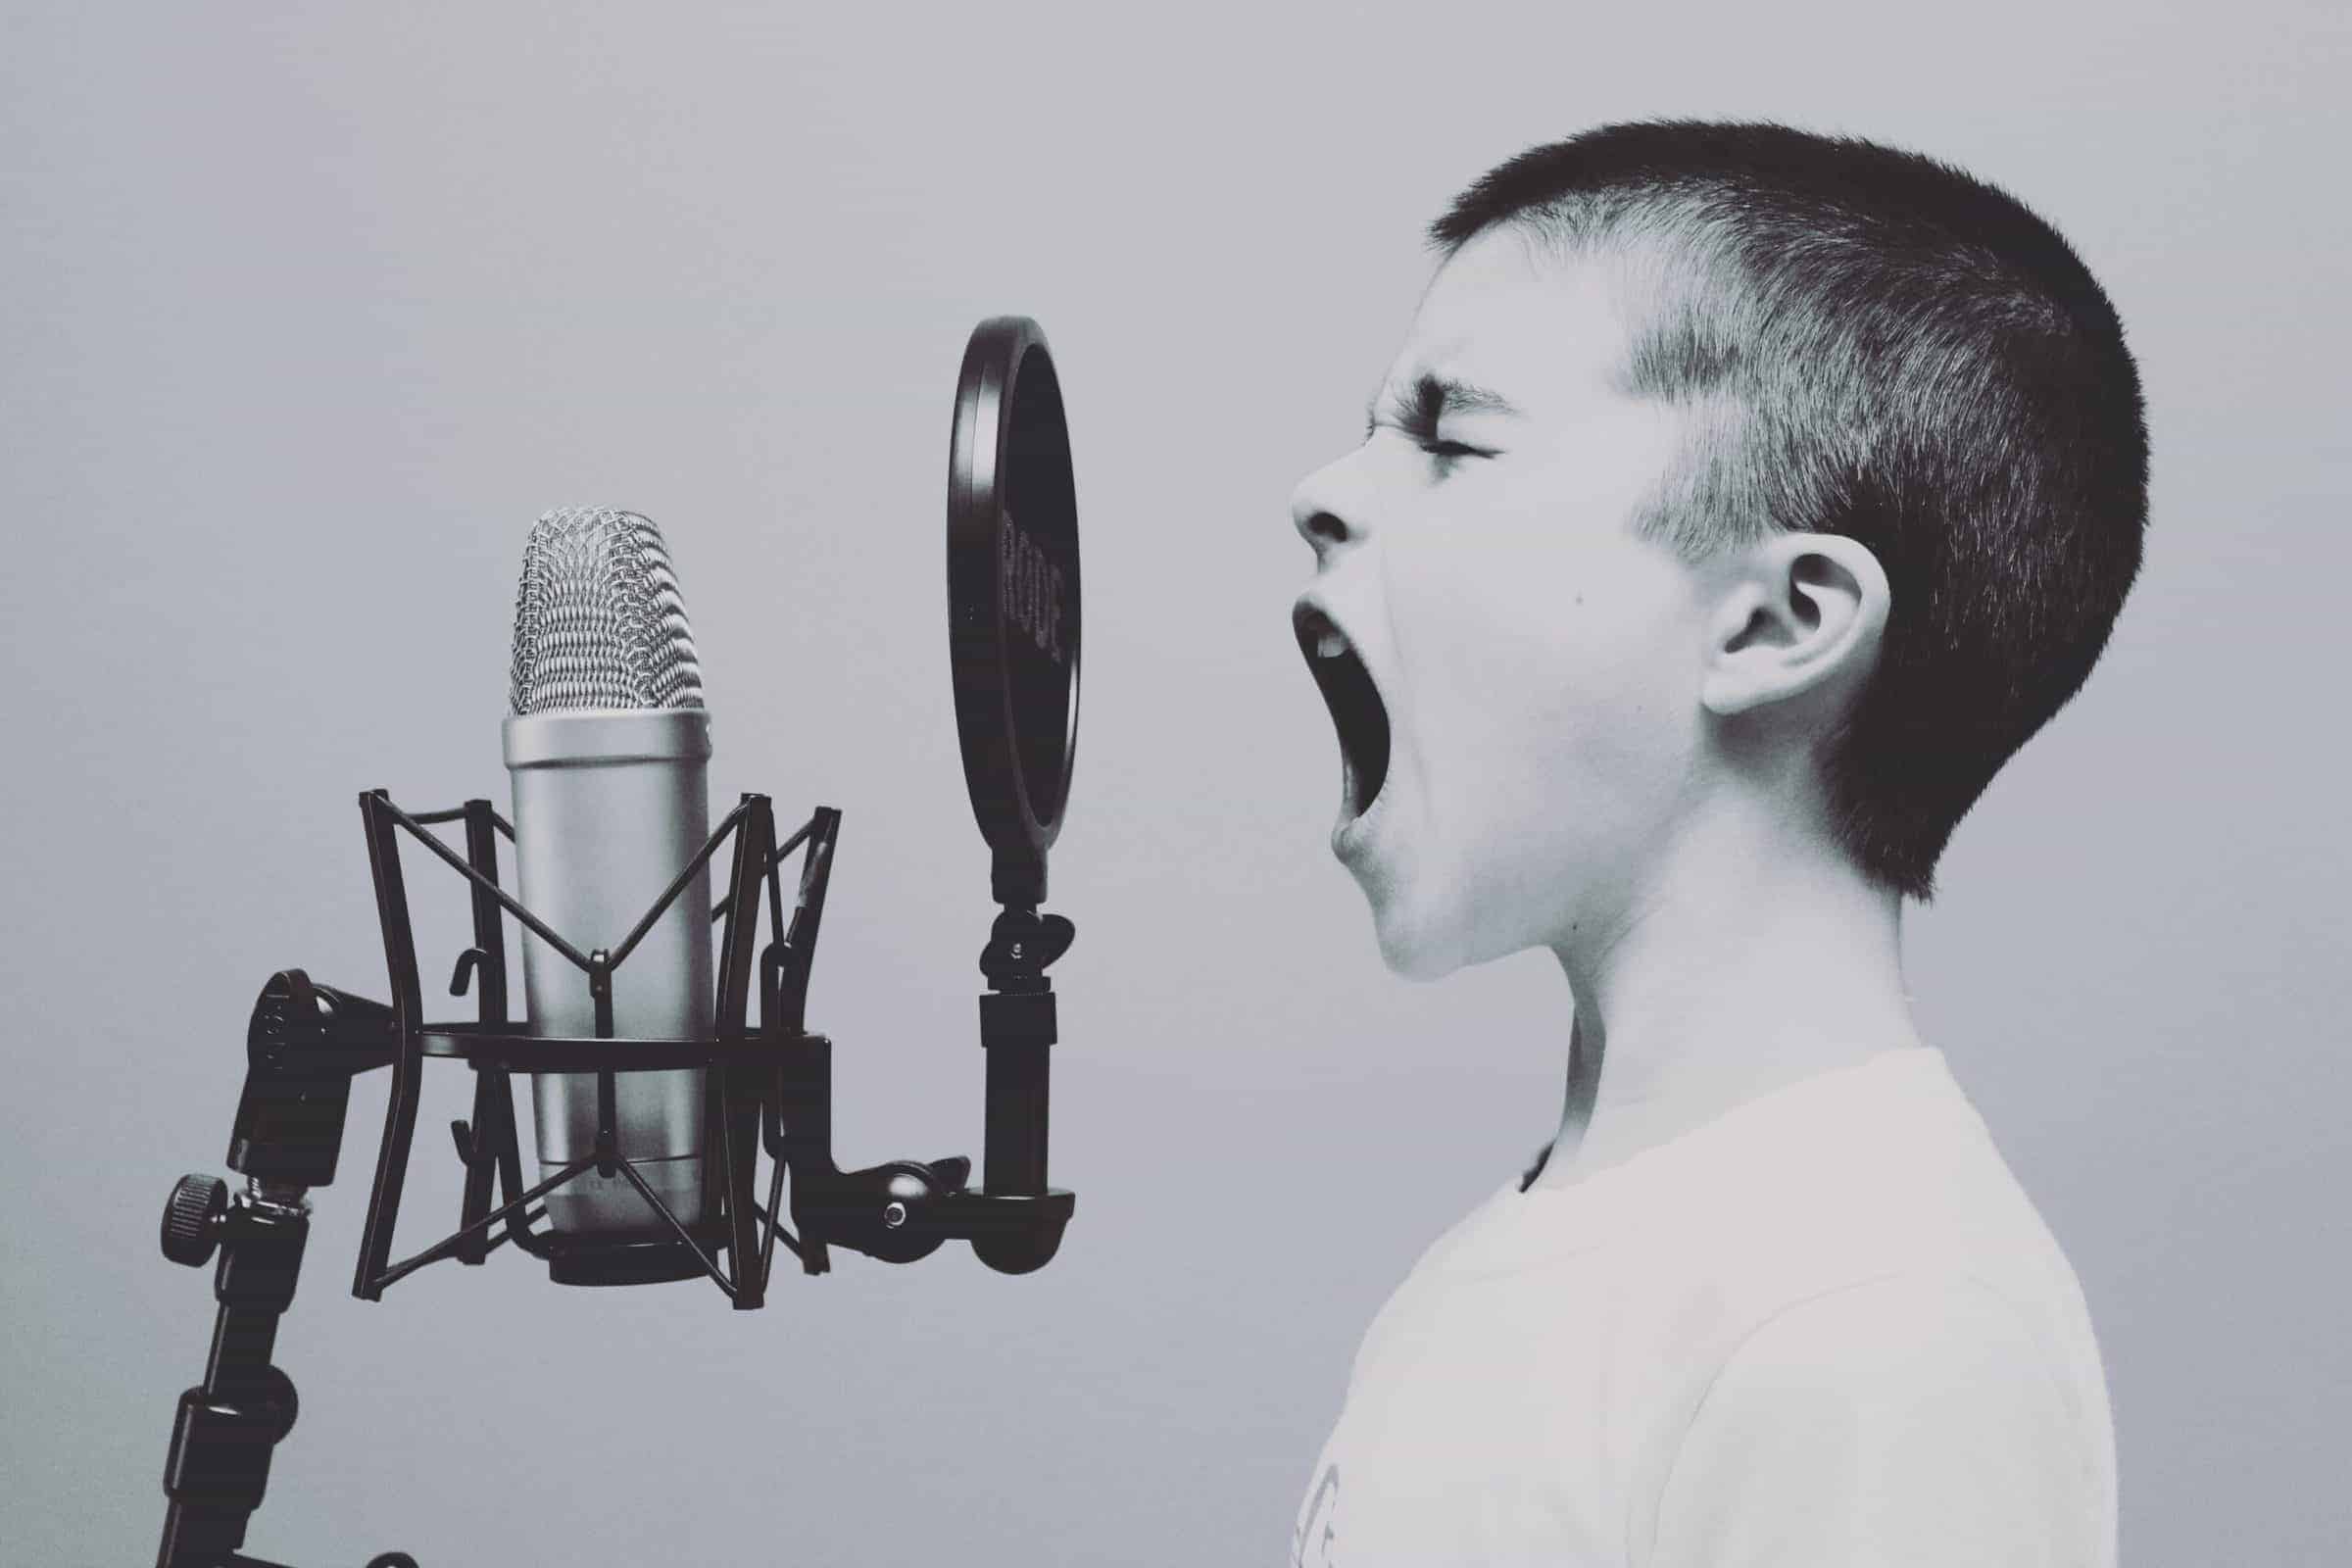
<point x="1014" y="621"/>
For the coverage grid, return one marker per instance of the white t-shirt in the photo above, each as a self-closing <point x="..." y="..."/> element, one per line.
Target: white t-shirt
<point x="1826" y="1330"/>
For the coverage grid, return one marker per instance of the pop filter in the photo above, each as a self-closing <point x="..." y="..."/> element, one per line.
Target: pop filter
<point x="1012" y="599"/>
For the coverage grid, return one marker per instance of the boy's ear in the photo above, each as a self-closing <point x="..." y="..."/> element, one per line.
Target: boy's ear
<point x="1798" y="613"/>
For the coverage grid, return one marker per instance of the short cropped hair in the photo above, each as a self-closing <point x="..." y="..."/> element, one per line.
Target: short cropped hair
<point x="1872" y="343"/>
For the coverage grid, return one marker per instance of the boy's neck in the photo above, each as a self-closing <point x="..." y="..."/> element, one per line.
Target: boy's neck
<point x="1750" y="963"/>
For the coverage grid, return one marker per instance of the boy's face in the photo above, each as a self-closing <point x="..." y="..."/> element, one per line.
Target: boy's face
<point x="1536" y="664"/>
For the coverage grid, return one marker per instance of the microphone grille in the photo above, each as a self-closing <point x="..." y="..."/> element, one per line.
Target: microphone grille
<point x="598" y="619"/>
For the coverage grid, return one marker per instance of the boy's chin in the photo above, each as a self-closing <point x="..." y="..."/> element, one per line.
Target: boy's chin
<point x="1415" y="947"/>
<point x="1424" y="941"/>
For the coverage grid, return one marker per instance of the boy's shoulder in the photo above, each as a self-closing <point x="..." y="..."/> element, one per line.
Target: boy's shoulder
<point x="1878" y="1172"/>
<point x="1886" y="1168"/>
<point x="1881" y="1172"/>
<point x="1865" y="1222"/>
<point x="1864" y="1252"/>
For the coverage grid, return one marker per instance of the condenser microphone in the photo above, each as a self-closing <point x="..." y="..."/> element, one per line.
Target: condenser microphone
<point x="609" y="746"/>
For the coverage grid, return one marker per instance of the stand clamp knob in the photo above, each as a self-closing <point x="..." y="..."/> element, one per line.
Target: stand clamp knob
<point x="192" y="1219"/>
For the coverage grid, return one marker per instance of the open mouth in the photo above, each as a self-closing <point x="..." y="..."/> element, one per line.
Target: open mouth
<point x="1356" y="710"/>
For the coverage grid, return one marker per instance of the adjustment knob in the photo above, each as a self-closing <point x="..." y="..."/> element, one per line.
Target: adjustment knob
<point x="192" y="1219"/>
<point x="278" y="1402"/>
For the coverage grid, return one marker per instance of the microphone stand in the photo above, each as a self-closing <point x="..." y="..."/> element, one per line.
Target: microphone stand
<point x="304" y="1047"/>
<point x="306" y="1043"/>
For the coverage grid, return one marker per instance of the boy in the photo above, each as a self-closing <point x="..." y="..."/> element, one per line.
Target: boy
<point x="1740" y="501"/>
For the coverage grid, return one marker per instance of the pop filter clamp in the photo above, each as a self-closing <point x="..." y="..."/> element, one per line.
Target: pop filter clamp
<point x="1014" y="626"/>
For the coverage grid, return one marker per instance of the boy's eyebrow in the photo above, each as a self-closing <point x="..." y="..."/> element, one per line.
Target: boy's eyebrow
<point x="1436" y="396"/>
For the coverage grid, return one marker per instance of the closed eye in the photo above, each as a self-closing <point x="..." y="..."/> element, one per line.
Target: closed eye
<point x="1415" y="411"/>
<point x="1443" y="455"/>
<point x="1424" y="434"/>
<point x="1444" y="451"/>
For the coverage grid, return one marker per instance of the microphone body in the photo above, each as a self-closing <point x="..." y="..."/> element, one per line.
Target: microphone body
<point x="608" y="743"/>
<point x="610" y="805"/>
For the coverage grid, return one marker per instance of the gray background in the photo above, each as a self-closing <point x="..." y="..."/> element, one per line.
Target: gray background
<point x="306" y="316"/>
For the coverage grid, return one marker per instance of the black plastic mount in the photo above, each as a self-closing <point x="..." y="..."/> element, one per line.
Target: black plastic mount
<point x="772" y="1091"/>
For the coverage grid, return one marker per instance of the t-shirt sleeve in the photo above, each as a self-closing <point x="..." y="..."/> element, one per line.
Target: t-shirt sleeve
<point x="1911" y="1420"/>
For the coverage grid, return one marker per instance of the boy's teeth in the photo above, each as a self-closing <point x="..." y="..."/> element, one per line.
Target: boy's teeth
<point x="1331" y="645"/>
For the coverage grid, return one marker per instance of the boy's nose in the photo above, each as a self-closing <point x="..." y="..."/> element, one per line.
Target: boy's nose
<point x="1322" y="514"/>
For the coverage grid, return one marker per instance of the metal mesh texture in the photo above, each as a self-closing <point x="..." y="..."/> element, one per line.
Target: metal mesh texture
<point x="598" y="619"/>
